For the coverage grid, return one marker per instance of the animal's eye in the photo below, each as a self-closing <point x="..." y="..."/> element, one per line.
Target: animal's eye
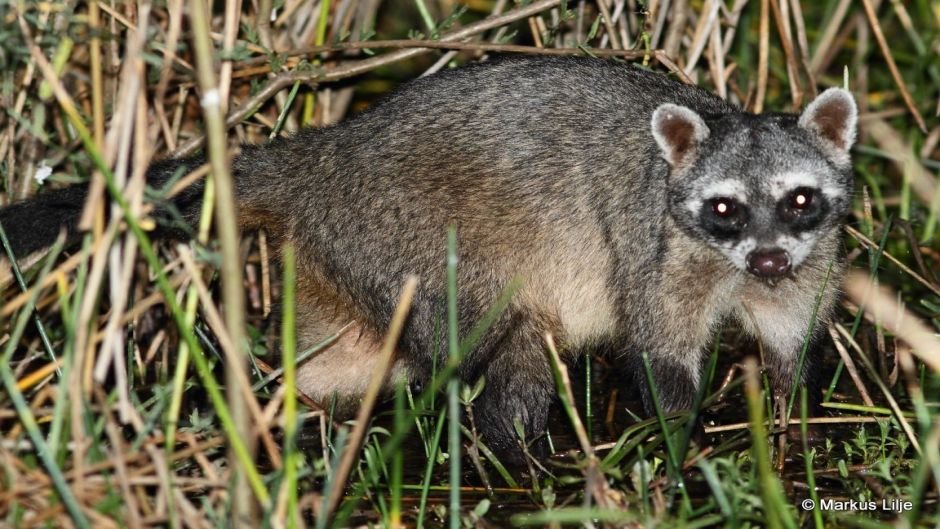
<point x="801" y="198"/>
<point x="724" y="207"/>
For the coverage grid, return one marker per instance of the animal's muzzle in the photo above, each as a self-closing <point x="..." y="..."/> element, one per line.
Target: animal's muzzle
<point x="768" y="263"/>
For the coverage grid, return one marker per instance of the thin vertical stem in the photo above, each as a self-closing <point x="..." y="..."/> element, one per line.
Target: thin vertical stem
<point x="763" y="55"/>
<point x="289" y="352"/>
<point x="233" y="297"/>
<point x="453" y="404"/>
<point x="776" y="515"/>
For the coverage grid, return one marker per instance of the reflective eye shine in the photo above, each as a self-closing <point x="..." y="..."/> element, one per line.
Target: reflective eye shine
<point x="723" y="207"/>
<point x="801" y="198"/>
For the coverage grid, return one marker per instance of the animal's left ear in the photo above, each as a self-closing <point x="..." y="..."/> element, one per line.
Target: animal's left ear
<point x="832" y="118"/>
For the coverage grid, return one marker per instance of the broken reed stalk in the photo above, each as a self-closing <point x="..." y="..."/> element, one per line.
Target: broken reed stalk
<point x="595" y="483"/>
<point x="233" y="295"/>
<point x="563" y="383"/>
<point x="850" y="366"/>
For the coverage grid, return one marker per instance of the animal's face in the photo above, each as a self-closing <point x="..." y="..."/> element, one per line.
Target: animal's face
<point x="762" y="189"/>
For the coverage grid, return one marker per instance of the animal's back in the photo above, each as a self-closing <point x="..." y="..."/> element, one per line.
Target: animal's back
<point x="524" y="156"/>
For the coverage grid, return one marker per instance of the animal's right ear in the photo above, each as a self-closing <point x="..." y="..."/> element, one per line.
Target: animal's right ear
<point x="678" y="131"/>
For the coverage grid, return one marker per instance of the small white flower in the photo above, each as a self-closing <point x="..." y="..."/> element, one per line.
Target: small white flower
<point x="42" y="173"/>
<point x="273" y="14"/>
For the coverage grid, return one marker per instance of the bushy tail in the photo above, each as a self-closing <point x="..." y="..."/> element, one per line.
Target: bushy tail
<point x="34" y="224"/>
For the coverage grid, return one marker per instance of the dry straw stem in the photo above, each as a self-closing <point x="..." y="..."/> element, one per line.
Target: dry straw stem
<point x="129" y="125"/>
<point x="703" y="31"/>
<point x="795" y="420"/>
<point x="763" y="57"/>
<point x="783" y="29"/>
<point x="906" y="269"/>
<point x="229" y="348"/>
<point x="882" y="305"/>
<point x="353" y="68"/>
<point x="562" y="369"/>
<point x="803" y="44"/>
<point x="595" y="482"/>
<point x="379" y="376"/>
<point x="886" y="51"/>
<point x="175" y="9"/>
<point x="824" y="45"/>
<point x="902" y="154"/>
<point x="892" y="402"/>
<point x="850" y="366"/>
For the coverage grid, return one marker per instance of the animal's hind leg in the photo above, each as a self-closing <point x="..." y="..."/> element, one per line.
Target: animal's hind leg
<point x="519" y="386"/>
<point x="344" y="367"/>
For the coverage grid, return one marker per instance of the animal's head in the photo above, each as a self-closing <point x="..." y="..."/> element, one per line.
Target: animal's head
<point x="761" y="189"/>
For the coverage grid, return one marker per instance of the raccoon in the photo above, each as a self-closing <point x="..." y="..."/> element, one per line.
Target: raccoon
<point x="638" y="213"/>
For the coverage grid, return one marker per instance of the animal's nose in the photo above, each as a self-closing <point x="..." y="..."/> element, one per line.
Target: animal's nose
<point x="768" y="263"/>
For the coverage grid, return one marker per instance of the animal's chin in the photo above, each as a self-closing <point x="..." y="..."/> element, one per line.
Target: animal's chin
<point x="770" y="282"/>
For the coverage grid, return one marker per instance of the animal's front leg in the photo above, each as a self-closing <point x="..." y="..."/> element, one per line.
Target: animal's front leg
<point x="519" y="387"/>
<point x="674" y="338"/>
<point x="676" y="376"/>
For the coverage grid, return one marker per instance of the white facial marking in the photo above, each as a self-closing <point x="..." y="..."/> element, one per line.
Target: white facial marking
<point x="737" y="252"/>
<point x="798" y="249"/>
<point x="726" y="188"/>
<point x="723" y="188"/>
<point x="783" y="184"/>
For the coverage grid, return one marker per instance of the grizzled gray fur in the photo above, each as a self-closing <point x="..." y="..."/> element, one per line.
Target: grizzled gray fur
<point x="639" y="213"/>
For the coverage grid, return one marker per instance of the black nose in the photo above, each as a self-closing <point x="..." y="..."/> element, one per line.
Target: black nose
<point x="768" y="263"/>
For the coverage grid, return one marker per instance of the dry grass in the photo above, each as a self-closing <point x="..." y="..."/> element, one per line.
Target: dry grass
<point x="114" y="410"/>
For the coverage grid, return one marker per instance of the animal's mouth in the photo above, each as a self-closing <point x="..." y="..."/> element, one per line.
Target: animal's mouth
<point x="773" y="282"/>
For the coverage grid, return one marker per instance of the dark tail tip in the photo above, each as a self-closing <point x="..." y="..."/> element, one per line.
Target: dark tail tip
<point x="34" y="224"/>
